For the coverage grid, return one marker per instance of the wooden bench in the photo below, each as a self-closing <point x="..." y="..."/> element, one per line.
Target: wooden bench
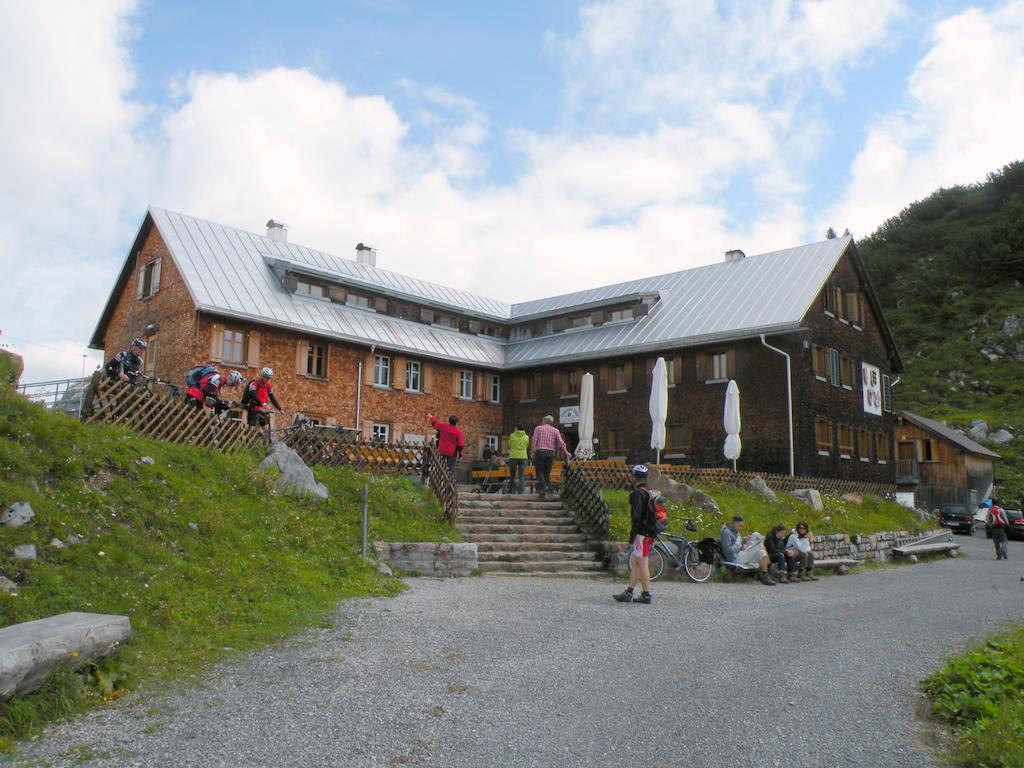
<point x="489" y="479"/>
<point x="925" y="549"/>
<point x="555" y="478"/>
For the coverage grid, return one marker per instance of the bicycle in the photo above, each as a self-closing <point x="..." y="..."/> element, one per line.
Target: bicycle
<point x="695" y="559"/>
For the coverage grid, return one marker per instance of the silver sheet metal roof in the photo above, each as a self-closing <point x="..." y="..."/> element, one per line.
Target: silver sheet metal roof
<point x="227" y="272"/>
<point x="950" y="434"/>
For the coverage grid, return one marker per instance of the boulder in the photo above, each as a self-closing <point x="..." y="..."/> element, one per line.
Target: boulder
<point x="757" y="485"/>
<point x="17" y="514"/>
<point x="296" y="477"/>
<point x="853" y="498"/>
<point x="704" y="503"/>
<point x="681" y="493"/>
<point x="842" y="570"/>
<point x="1000" y="437"/>
<point x="56" y="543"/>
<point x="147" y="460"/>
<point x="978" y="430"/>
<point x="25" y="552"/>
<point x="74" y="540"/>
<point x="809" y="496"/>
<point x="6" y="585"/>
<point x="1012" y="325"/>
<point x="30" y="651"/>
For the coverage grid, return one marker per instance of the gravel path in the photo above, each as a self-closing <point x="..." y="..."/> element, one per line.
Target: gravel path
<point x="548" y="672"/>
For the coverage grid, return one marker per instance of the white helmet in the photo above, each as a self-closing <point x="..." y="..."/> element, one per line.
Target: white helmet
<point x="234" y="378"/>
<point x="267" y="373"/>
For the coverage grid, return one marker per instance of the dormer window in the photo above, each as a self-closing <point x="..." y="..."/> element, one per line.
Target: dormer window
<point x="310" y="289"/>
<point x="620" y="315"/>
<point x="357" y="300"/>
<point x="583" y="321"/>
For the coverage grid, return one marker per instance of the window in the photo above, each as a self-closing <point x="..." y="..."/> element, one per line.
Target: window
<point x="678" y="439"/>
<point x="149" y="359"/>
<point x="886" y="393"/>
<point x="381" y="371"/>
<point x="572" y="382"/>
<point x="833" y="367"/>
<point x="838" y="302"/>
<point x="491" y="443"/>
<point x="618" y="315"/>
<point x="233" y="347"/>
<point x="414" y="439"/>
<point x="670" y="368"/>
<point x="853" y="308"/>
<point x="316" y="360"/>
<point x="446" y="320"/>
<point x="380" y="432"/>
<point x="311" y="290"/>
<point x="525" y="387"/>
<point x="583" y="321"/>
<point x="618" y="378"/>
<point x="846" y="372"/>
<point x="830" y="300"/>
<point x="864" y="444"/>
<point x="466" y="385"/>
<point x="495" y="388"/>
<point x="616" y="441"/>
<point x="845" y="441"/>
<point x="823" y="435"/>
<point x="719" y="366"/>
<point x="881" y="447"/>
<point x="357" y="300"/>
<point x="819" y="362"/>
<point x="929" y="451"/>
<point x="149" y="279"/>
<point x="413" y="376"/>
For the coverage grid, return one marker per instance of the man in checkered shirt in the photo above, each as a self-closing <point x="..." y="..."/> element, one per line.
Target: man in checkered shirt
<point x="545" y="441"/>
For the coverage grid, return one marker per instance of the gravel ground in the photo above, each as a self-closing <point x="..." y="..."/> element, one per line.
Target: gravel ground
<point x="549" y="672"/>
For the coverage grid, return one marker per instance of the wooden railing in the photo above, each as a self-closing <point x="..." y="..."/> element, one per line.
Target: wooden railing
<point x="152" y="410"/>
<point x="440" y="479"/>
<point x="620" y="477"/>
<point x="580" y="494"/>
<point x="332" y="446"/>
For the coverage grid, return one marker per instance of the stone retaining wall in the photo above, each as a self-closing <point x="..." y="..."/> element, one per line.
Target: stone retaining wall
<point x="428" y="558"/>
<point x="875" y="547"/>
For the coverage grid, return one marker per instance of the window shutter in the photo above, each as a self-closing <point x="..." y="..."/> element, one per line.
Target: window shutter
<point x="254" y="349"/>
<point x="702" y="366"/>
<point x="518" y="388"/>
<point x="559" y="383"/>
<point x="886" y="393"/>
<point x="427" y="315"/>
<point x="597" y="317"/>
<point x="730" y="363"/>
<point x="558" y="324"/>
<point x="480" y="385"/>
<point x="456" y="376"/>
<point x="331" y="421"/>
<point x="536" y="385"/>
<point x="156" y="277"/>
<point x="641" y="310"/>
<point x="602" y="378"/>
<point x="650" y="370"/>
<point x="337" y="294"/>
<point x="301" y="354"/>
<point x="368" y="369"/>
<point x="426" y="376"/>
<point x="627" y="375"/>
<point x="142" y="281"/>
<point x="677" y="369"/>
<point x="398" y="372"/>
<point x="217" y="342"/>
<point x="474" y="326"/>
<point x="290" y="283"/>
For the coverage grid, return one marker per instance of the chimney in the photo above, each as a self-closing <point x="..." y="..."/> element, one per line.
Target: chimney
<point x="735" y="255"/>
<point x="366" y="255"/>
<point x="277" y="231"/>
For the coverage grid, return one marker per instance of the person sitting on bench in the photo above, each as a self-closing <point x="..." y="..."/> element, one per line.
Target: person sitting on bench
<point x="801" y="561"/>
<point x="748" y="553"/>
<point x="775" y="544"/>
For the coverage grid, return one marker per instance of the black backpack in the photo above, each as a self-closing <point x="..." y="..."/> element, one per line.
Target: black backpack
<point x="247" y="394"/>
<point x="193" y="377"/>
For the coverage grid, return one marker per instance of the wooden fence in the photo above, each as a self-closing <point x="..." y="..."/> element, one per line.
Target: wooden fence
<point x="155" y="411"/>
<point x="606" y="476"/>
<point x="581" y="495"/>
<point x="332" y="446"/>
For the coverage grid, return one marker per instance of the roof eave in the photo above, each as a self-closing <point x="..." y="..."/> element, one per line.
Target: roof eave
<point x="96" y="342"/>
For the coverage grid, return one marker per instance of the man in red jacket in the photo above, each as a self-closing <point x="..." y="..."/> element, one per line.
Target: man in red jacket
<point x="450" y="440"/>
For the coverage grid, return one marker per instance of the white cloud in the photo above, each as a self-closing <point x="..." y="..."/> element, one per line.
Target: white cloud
<point x="963" y="119"/>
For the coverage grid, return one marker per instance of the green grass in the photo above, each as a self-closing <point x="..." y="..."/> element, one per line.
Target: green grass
<point x="195" y="549"/>
<point x="759" y="514"/>
<point x="980" y="693"/>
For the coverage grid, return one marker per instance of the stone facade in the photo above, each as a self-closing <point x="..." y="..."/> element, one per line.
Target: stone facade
<point x="428" y="558"/>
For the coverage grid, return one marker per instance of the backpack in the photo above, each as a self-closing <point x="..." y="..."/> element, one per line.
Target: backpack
<point x="660" y="506"/>
<point x="193" y="377"/>
<point x="998" y="517"/>
<point x="247" y="394"/>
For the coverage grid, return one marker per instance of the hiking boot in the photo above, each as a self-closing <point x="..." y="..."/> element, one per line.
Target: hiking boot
<point x="767" y="580"/>
<point x="811" y="576"/>
<point x="782" y="579"/>
<point x="644" y="599"/>
<point x="626" y="596"/>
<point x="804" y="577"/>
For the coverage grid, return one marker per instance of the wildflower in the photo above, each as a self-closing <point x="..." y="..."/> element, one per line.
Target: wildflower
<point x="74" y="654"/>
<point x="101" y="553"/>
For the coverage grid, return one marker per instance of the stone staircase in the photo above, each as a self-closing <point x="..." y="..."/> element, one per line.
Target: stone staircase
<point x="521" y="535"/>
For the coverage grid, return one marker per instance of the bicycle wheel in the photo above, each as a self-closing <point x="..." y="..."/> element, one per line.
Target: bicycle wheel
<point x="696" y="569"/>
<point x="656" y="561"/>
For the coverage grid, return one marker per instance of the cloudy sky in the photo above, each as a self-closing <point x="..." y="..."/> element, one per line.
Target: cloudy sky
<point x="519" y="151"/>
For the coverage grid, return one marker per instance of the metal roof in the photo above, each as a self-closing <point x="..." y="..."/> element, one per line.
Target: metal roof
<point x="230" y="272"/>
<point x="949" y="433"/>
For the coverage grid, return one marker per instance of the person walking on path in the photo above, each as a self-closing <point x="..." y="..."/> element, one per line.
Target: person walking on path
<point x="518" y="455"/>
<point x="546" y="440"/>
<point x="643" y="531"/>
<point x="998" y="522"/>
<point x="450" y="440"/>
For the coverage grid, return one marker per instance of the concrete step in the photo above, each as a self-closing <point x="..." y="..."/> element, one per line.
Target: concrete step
<point x="483" y="547"/>
<point x="496" y="528"/>
<point x="543" y="566"/>
<point x="504" y="496"/>
<point x="484" y="558"/>
<point x="549" y="574"/>
<point x="523" y="537"/>
<point x="504" y="505"/>
<point x="554" y="511"/>
<point x="510" y="520"/>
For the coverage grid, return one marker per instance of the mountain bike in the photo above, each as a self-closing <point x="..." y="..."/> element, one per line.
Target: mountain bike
<point x="695" y="559"/>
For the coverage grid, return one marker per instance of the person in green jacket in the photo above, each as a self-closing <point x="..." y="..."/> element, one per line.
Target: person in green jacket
<point x="518" y="445"/>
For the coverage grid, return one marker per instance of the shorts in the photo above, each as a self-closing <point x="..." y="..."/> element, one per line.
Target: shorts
<point x="259" y="418"/>
<point x="642" y="545"/>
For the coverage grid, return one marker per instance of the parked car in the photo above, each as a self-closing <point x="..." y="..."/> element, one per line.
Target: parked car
<point x="958" y="517"/>
<point x="1015" y="529"/>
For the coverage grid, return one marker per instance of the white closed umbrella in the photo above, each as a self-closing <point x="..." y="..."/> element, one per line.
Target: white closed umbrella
<point x="658" y="406"/>
<point x="585" y="447"/>
<point x="731" y="422"/>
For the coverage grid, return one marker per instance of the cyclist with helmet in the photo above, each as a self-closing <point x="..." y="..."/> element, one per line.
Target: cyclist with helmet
<point x="127" y="364"/>
<point x="206" y="391"/>
<point x="257" y="393"/>
<point x="643" y="532"/>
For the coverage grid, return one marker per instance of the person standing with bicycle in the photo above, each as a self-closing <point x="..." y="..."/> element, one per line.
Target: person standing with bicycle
<point x="126" y="365"/>
<point x="643" y="533"/>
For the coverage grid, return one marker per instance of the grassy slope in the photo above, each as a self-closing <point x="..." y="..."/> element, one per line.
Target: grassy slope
<point x="948" y="271"/>
<point x="195" y="548"/>
<point x="760" y="515"/>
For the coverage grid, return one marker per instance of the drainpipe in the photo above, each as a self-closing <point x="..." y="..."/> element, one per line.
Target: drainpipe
<point x="789" y="402"/>
<point x="359" y="390"/>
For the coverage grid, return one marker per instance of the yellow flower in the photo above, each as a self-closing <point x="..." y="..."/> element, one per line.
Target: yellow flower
<point x="74" y="654"/>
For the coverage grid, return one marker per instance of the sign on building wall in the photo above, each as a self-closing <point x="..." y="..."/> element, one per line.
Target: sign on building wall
<point x="569" y="414"/>
<point x="871" y="379"/>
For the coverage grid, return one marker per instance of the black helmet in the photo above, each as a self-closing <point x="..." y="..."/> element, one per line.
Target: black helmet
<point x="140" y="343"/>
<point x="640" y="471"/>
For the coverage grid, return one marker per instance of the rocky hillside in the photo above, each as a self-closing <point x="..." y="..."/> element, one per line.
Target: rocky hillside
<point x="950" y="273"/>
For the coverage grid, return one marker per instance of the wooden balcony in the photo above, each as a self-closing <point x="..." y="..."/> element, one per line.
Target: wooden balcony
<point x="908" y="472"/>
